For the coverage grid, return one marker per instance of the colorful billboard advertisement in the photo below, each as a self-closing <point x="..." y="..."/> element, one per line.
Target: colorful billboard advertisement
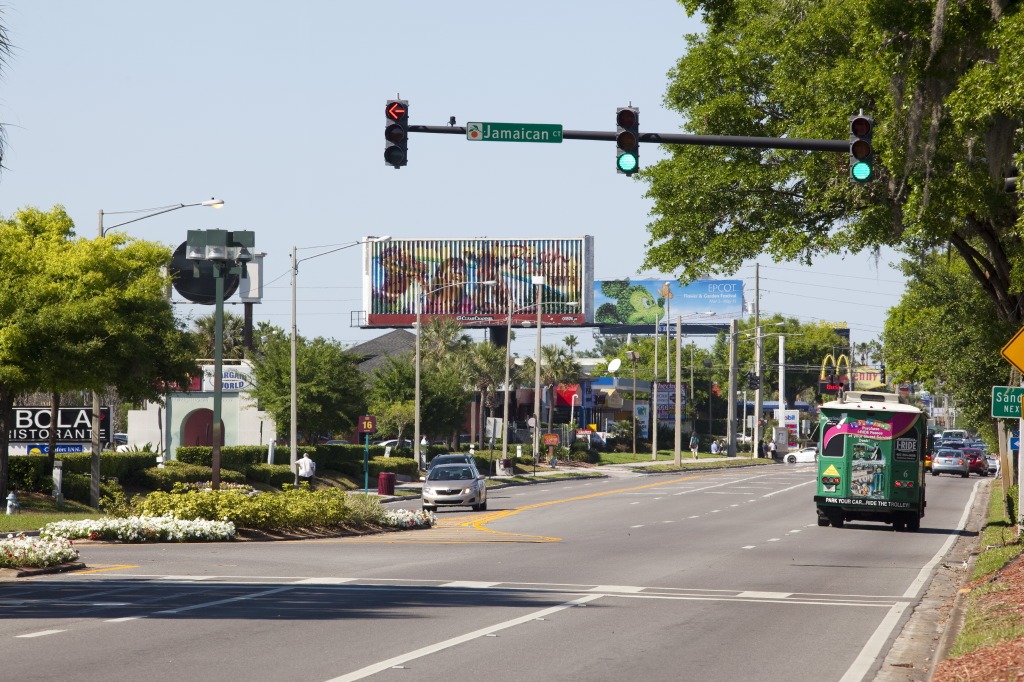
<point x="648" y="301"/>
<point x="447" y="275"/>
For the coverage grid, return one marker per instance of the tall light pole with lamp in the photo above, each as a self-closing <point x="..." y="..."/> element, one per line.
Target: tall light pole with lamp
<point x="224" y="250"/>
<point x="293" y="440"/>
<point x="419" y="333"/>
<point x="633" y="356"/>
<point x="538" y="283"/>
<point x="94" y="484"/>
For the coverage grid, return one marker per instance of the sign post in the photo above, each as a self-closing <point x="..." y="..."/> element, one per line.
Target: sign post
<point x="1013" y="352"/>
<point x="367" y="425"/>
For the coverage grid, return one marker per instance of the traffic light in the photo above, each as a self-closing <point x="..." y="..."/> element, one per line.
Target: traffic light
<point x="861" y="154"/>
<point x="627" y="140"/>
<point x="396" y="133"/>
<point x="753" y="381"/>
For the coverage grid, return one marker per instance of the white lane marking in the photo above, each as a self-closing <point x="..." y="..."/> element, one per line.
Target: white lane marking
<point x="866" y="658"/>
<point x="125" y="619"/>
<point x="693" y="517"/>
<point x="715" y="511"/>
<point x="748" y="547"/>
<point x="185" y="578"/>
<point x="617" y="589"/>
<point x="41" y="633"/>
<point x="639" y="526"/>
<point x="476" y="584"/>
<point x="926" y="570"/>
<point x="668" y="521"/>
<point x="324" y="581"/>
<point x="726" y="492"/>
<point x="227" y="601"/>
<point x="733" y="505"/>
<point x="797" y="530"/>
<point x="461" y="639"/>
<point x="792" y="487"/>
<point x="634" y="503"/>
<point x="765" y="595"/>
<point x="773" y="539"/>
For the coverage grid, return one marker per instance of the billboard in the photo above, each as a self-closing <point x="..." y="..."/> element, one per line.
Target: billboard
<point x="74" y="424"/>
<point x="649" y="301"/>
<point x="446" y="274"/>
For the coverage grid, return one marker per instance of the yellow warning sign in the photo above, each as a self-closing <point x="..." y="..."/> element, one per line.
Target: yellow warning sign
<point x="1013" y="351"/>
<point x="831" y="471"/>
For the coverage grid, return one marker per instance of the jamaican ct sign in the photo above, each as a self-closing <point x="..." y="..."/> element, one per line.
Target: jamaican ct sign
<point x="74" y="425"/>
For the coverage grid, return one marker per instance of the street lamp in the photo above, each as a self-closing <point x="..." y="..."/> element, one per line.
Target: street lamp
<point x="508" y="364"/>
<point x="668" y="353"/>
<point x="293" y="428"/>
<point x="224" y="250"/>
<point x="633" y="356"/>
<point x="419" y="334"/>
<point x="94" y="484"/>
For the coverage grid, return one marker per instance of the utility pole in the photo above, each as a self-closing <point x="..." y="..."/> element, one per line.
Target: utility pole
<point x="757" y="357"/>
<point x="730" y="428"/>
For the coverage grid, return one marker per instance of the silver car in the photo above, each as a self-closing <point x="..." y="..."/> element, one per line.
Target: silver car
<point x="454" y="485"/>
<point x="950" y="461"/>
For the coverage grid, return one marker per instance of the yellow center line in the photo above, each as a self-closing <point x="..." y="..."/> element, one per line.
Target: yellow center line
<point x="480" y="522"/>
<point x="104" y="568"/>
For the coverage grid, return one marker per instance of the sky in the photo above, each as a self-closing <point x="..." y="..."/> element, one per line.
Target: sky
<point x="118" y="105"/>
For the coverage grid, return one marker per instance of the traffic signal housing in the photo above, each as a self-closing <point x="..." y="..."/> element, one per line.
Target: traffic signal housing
<point x="396" y="133"/>
<point x="627" y="140"/>
<point x="753" y="381"/>
<point x="861" y="152"/>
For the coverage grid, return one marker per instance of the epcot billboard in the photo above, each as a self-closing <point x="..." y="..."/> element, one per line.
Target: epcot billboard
<point x="448" y="272"/>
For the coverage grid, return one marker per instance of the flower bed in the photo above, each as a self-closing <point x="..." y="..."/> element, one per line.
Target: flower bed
<point x="141" y="529"/>
<point x="18" y="551"/>
<point x="409" y="518"/>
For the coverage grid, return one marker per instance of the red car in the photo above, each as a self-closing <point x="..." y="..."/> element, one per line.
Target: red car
<point x="977" y="463"/>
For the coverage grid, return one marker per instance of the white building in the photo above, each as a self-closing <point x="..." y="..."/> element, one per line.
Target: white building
<point x="187" y="417"/>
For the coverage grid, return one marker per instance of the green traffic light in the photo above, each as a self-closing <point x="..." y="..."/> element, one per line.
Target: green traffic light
<point x="627" y="162"/>
<point x="861" y="171"/>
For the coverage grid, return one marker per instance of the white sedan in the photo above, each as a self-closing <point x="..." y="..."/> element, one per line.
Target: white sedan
<point x="803" y="455"/>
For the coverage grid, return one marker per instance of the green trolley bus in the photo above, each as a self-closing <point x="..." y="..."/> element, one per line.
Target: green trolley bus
<point x="871" y="461"/>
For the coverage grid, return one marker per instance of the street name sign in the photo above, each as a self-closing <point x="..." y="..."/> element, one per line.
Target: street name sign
<point x="1013" y="351"/>
<point x="1006" y="401"/>
<point x="483" y="131"/>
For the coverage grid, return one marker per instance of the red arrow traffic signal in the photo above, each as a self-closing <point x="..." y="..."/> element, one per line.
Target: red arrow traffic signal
<point x="395" y="110"/>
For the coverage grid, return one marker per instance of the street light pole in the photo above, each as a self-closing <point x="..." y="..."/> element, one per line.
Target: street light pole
<point x="94" y="483"/>
<point x="293" y="429"/>
<point x="679" y="398"/>
<point x="633" y="355"/>
<point x="538" y="283"/>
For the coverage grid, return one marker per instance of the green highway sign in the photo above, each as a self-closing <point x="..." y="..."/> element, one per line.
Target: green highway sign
<point x="482" y="131"/>
<point x="1006" y="401"/>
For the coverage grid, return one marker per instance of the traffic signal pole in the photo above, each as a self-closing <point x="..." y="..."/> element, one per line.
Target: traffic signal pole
<point x="802" y="144"/>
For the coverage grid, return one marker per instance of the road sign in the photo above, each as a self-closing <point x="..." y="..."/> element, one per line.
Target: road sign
<point x="1006" y="401"/>
<point x="551" y="439"/>
<point x="1013" y="351"/>
<point x="1014" y="443"/>
<point x="483" y="131"/>
<point x="367" y="424"/>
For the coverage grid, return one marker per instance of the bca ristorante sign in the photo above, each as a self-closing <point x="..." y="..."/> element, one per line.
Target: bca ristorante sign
<point x="74" y="425"/>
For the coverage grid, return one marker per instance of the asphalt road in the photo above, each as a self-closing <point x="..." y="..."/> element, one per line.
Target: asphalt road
<point x="716" y="576"/>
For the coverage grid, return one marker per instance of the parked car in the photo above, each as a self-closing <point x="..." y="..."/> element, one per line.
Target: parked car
<point x="451" y="459"/>
<point x="976" y="462"/>
<point x="337" y="441"/>
<point x="950" y="461"/>
<point x="993" y="464"/>
<point x="809" y="454"/>
<point x="393" y="443"/>
<point x="454" y="485"/>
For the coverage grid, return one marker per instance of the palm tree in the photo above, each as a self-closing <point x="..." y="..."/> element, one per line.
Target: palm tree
<point x="557" y="367"/>
<point x="205" y="329"/>
<point x="571" y="342"/>
<point x="487" y="366"/>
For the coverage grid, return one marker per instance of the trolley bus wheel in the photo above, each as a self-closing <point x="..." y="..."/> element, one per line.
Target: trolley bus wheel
<point x="914" y="523"/>
<point x="823" y="521"/>
<point x="837" y="520"/>
<point x="899" y="525"/>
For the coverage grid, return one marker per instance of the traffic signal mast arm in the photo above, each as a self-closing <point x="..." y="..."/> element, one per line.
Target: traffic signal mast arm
<point x="804" y="144"/>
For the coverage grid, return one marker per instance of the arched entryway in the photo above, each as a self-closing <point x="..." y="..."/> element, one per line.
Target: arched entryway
<point x="197" y="429"/>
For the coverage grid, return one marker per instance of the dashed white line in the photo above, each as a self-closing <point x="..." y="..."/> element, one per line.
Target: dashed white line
<point x="41" y="633"/>
<point x="748" y="547"/>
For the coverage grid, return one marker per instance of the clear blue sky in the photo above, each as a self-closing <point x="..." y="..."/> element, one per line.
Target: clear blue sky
<point x="278" y="110"/>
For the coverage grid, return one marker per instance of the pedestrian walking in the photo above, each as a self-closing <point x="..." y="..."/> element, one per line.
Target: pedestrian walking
<point x="694" y="443"/>
<point x="307" y="469"/>
<point x="772" y="447"/>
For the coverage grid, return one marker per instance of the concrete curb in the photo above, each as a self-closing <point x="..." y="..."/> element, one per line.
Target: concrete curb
<point x="31" y="572"/>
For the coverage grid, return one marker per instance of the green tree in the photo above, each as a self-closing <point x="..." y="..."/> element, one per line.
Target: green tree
<point x="487" y="370"/>
<point x="329" y="389"/>
<point x="944" y="335"/>
<point x="83" y="314"/>
<point x="233" y="347"/>
<point x="942" y="81"/>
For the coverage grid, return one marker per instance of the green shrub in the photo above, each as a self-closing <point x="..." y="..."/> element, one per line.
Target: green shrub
<point x="276" y="475"/>
<point x="173" y="472"/>
<point x="75" y="487"/>
<point x="292" y="509"/>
